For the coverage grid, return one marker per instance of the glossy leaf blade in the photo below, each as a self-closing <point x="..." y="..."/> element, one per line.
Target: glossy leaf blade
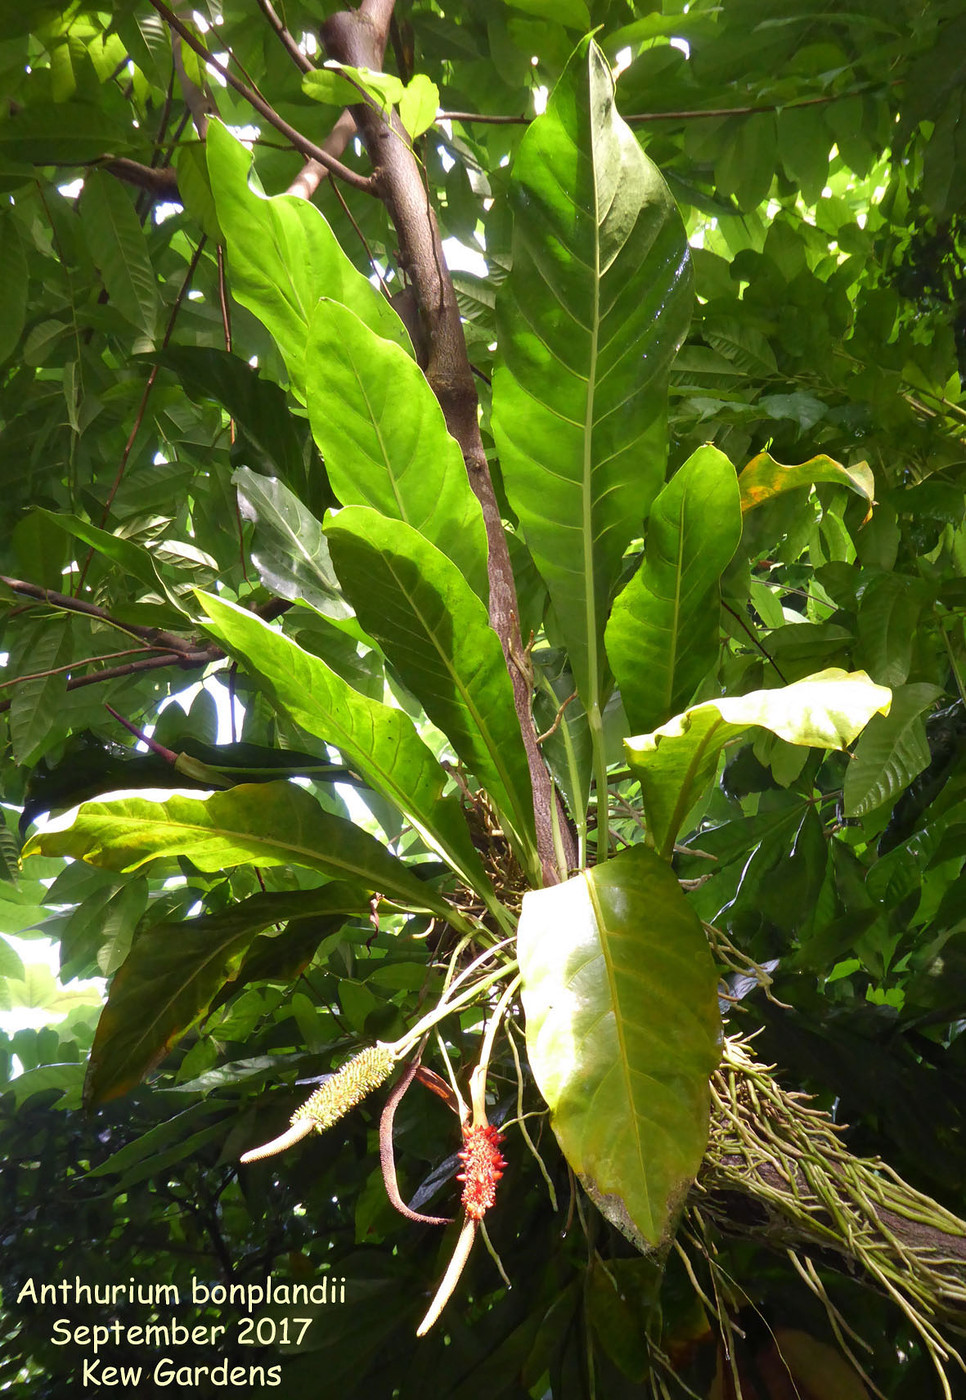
<point x="381" y="431"/>
<point x="590" y="318"/>
<point x="379" y="742"/>
<point x="289" y="549"/>
<point x="283" y="256"/>
<point x="133" y="558"/>
<point x="676" y="761"/>
<point x="175" y="970"/>
<point x="435" y="630"/>
<point x="273" y="440"/>
<point x="620" y="994"/>
<point x="252" y="824"/>
<point x="763" y="478"/>
<point x="892" y="751"/>
<point x="14" y="278"/>
<point x="662" y="634"/>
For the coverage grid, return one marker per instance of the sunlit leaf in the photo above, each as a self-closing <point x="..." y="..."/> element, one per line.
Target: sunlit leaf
<point x="283" y="256"/>
<point x="764" y="478"/>
<point x="381" y="431"/>
<point x="436" y="631"/>
<point x="677" y="761"/>
<point x="252" y="824"/>
<point x="379" y="742"/>
<point x="620" y="993"/>
<point x="418" y="105"/>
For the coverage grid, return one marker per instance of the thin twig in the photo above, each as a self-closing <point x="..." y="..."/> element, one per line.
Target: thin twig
<point x="156" y="637"/>
<point x="291" y="47"/>
<point x="639" y="118"/>
<point x="76" y="665"/>
<point x="764" y="651"/>
<point x="168" y="755"/>
<point x="541" y="738"/>
<point x="185" y="661"/>
<point x="363" y="240"/>
<point x="300" y="142"/>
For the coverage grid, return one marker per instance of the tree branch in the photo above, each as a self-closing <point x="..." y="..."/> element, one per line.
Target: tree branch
<point x="358" y="38"/>
<point x="187" y="661"/>
<point x="153" y="636"/>
<point x="301" y="143"/>
<point x="74" y="666"/>
<point x="160" y="181"/>
<point x="313" y="172"/>
<point x="641" y="118"/>
<point x="294" y="52"/>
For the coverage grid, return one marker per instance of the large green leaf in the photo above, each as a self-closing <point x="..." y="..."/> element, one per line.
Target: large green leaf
<point x="381" y="743"/>
<point x="87" y="767"/>
<point x="37" y="705"/>
<point x="289" y="549"/>
<point x="435" y="630"/>
<point x="892" y="751"/>
<point x="118" y="247"/>
<point x="13" y="285"/>
<point x="175" y="970"/>
<point x="251" y="824"/>
<point x="381" y="431"/>
<point x="67" y="133"/>
<point x="620" y="994"/>
<point x="591" y="316"/>
<point x="270" y="438"/>
<point x="662" y="635"/>
<point x="677" y="761"/>
<point x="763" y="478"/>
<point x="283" y="256"/>
<point x="887" y="626"/>
<point x="133" y="558"/>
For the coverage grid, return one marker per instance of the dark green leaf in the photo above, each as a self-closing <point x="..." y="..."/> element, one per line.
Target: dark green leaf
<point x="888" y="619"/>
<point x="435" y="630"/>
<point x="891" y="752"/>
<point x="662" y="635"/>
<point x="65" y="133"/>
<point x="379" y="742"/>
<point x="174" y="971"/>
<point x="118" y="247"/>
<point x="289" y="549"/>
<point x="13" y="286"/>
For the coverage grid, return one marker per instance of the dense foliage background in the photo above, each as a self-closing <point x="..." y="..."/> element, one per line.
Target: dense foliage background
<point x="150" y="442"/>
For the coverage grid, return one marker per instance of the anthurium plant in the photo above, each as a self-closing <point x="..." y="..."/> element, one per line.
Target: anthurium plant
<point x="565" y="725"/>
